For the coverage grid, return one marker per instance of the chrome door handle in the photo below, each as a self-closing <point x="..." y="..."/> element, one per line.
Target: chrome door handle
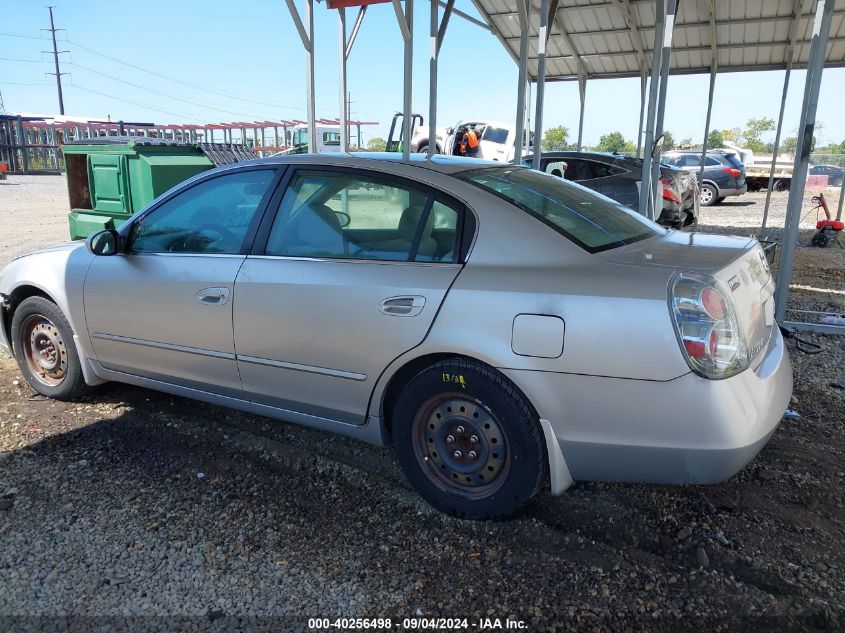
<point x="407" y="305"/>
<point x="213" y="296"/>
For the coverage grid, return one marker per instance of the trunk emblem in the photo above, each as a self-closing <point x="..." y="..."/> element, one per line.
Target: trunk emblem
<point x="734" y="283"/>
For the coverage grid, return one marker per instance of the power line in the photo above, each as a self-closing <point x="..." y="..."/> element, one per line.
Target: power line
<point x="182" y="82"/>
<point x="27" y="37"/>
<point x="140" y="105"/>
<point x="18" y="59"/>
<point x="164" y="94"/>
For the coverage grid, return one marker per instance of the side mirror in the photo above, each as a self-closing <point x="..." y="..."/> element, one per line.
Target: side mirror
<point x="450" y="130"/>
<point x="658" y="145"/>
<point x="103" y="242"/>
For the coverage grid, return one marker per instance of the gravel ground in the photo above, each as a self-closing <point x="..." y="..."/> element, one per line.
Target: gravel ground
<point x="162" y="513"/>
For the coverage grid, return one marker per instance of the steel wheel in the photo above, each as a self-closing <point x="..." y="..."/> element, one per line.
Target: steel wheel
<point x="461" y="446"/>
<point x="44" y="350"/>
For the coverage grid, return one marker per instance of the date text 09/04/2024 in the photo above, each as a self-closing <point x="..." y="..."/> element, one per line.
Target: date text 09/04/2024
<point x="416" y="624"/>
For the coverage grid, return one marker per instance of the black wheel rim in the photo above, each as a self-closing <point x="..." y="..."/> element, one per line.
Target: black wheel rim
<point x="461" y="446"/>
<point x="44" y="350"/>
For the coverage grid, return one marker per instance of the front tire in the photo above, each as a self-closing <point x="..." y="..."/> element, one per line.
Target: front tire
<point x="42" y="340"/>
<point x="468" y="441"/>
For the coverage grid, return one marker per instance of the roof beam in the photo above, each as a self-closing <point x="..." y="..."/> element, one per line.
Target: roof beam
<point x="793" y="32"/>
<point x="466" y="16"/>
<point x="489" y="21"/>
<point x="694" y="49"/>
<point x="637" y="39"/>
<point x="688" y="25"/>
<point x="556" y="19"/>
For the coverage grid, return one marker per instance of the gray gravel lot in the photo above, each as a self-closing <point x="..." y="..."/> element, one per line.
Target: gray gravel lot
<point x="136" y="504"/>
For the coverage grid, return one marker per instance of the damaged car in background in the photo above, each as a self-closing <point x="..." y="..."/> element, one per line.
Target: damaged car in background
<point x="618" y="176"/>
<point x="505" y="330"/>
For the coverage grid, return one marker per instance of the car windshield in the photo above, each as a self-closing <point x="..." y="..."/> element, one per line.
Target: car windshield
<point x="593" y="222"/>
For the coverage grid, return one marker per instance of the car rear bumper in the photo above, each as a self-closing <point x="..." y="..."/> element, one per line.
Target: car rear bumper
<point x="689" y="430"/>
<point x="737" y="191"/>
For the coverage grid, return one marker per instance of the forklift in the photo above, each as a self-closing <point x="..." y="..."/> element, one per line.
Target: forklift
<point x="396" y="131"/>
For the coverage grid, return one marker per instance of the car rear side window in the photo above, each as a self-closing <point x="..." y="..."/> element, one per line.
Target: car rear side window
<point x="593" y="222"/>
<point x="734" y="161"/>
<point x="345" y="216"/>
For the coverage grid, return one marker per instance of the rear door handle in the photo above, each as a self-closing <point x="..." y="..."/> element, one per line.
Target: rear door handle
<point x="406" y="305"/>
<point x="212" y="296"/>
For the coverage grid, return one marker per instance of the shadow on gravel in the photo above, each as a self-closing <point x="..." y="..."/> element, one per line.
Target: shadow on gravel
<point x="158" y="505"/>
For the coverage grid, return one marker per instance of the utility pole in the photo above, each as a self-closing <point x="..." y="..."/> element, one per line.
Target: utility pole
<point x="56" y="52"/>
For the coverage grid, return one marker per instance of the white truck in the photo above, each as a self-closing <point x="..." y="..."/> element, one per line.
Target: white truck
<point x="759" y="168"/>
<point x="328" y="139"/>
<point x="497" y="140"/>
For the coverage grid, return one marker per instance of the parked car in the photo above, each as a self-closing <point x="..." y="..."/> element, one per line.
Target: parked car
<point x="501" y="327"/>
<point x="618" y="176"/>
<point x="724" y="173"/>
<point x="497" y="141"/>
<point x="834" y="174"/>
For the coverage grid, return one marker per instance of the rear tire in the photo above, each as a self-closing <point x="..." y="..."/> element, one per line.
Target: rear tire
<point x="707" y="195"/>
<point x="468" y="441"/>
<point x="42" y="340"/>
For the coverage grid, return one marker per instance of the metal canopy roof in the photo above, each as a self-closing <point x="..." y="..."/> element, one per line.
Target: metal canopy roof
<point x="614" y="38"/>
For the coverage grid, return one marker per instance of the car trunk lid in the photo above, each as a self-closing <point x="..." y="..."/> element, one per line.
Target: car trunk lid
<point x="738" y="264"/>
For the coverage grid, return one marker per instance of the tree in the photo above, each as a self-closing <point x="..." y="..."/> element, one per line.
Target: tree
<point x="376" y="144"/>
<point x="715" y="139"/>
<point x="789" y="145"/>
<point x="754" y="129"/>
<point x="615" y="142"/>
<point x="668" y="141"/>
<point x="555" y="139"/>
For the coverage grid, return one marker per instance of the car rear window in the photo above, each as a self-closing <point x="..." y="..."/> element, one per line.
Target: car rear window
<point x="734" y="160"/>
<point x="592" y="221"/>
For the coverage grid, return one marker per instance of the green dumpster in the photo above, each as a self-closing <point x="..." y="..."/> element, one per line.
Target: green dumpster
<point x="110" y="178"/>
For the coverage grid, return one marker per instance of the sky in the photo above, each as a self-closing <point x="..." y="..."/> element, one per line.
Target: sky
<point x="211" y="61"/>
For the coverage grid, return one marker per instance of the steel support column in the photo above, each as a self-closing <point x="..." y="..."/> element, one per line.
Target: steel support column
<point x="790" y="58"/>
<point x="645" y="178"/>
<point x="806" y="128"/>
<point x="406" y="25"/>
<point x="643" y="86"/>
<point x="437" y="31"/>
<point x="713" y="71"/>
<point x="542" y="38"/>
<point x="522" y="7"/>
<point x="341" y="45"/>
<point x="582" y="93"/>
<point x="776" y="146"/>
<point x="666" y="54"/>
<point x="309" y="70"/>
<point x="306" y="34"/>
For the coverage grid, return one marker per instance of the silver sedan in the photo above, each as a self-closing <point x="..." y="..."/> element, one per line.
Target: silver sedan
<point x="505" y="330"/>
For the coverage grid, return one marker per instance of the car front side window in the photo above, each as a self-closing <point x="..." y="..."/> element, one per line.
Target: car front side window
<point x="212" y="217"/>
<point x="345" y="216"/>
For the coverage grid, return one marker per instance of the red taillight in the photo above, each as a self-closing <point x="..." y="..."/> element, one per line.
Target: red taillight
<point x="668" y="194"/>
<point x="713" y="343"/>
<point x="733" y="171"/>
<point x="713" y="303"/>
<point x="707" y="327"/>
